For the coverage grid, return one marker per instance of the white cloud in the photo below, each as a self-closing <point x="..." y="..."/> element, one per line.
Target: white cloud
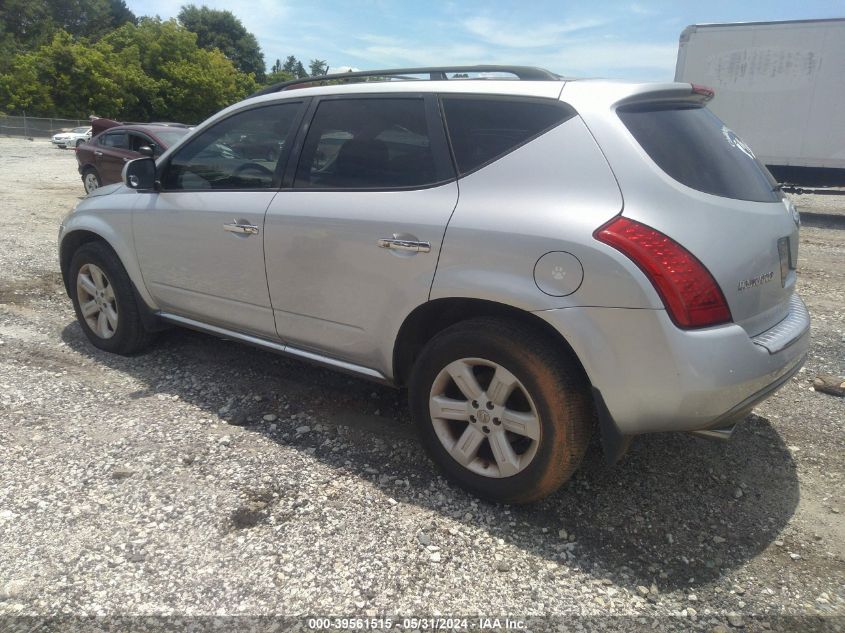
<point x="641" y="9"/>
<point x="502" y="33"/>
<point x="614" y="58"/>
<point x="609" y="57"/>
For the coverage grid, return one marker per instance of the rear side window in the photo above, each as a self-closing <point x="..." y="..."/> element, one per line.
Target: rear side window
<point x="695" y="148"/>
<point x="483" y="129"/>
<point x="373" y="143"/>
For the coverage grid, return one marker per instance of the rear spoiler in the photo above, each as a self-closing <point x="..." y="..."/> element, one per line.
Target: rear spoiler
<point x="647" y="93"/>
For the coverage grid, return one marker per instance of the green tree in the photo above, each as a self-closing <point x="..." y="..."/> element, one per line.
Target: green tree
<point x="299" y="70"/>
<point x="290" y="65"/>
<point x="191" y="82"/>
<point x="318" y="67"/>
<point x="72" y="78"/>
<point x="278" y="77"/>
<point x="223" y="31"/>
<point x="27" y="24"/>
<point x="154" y="70"/>
<point x="277" y="67"/>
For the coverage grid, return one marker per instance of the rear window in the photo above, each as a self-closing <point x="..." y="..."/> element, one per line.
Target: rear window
<point x="695" y="148"/>
<point x="483" y="129"/>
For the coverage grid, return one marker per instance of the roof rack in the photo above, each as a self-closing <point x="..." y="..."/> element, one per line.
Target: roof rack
<point x="438" y="73"/>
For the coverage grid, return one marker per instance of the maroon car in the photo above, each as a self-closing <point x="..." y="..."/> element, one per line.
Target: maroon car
<point x="102" y="158"/>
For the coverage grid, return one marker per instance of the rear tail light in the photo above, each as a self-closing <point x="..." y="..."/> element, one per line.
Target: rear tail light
<point x="691" y="295"/>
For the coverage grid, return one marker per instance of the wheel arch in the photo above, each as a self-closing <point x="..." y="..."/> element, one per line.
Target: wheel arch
<point x="71" y="242"/>
<point x="74" y="238"/>
<point x="432" y="317"/>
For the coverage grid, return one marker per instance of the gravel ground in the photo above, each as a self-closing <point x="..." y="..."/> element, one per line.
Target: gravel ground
<point x="208" y="478"/>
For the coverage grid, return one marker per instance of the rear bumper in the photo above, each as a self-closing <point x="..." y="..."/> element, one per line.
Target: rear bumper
<point x="655" y="377"/>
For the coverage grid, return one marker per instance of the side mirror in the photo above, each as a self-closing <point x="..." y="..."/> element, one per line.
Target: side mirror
<point x="140" y="174"/>
<point x="146" y="150"/>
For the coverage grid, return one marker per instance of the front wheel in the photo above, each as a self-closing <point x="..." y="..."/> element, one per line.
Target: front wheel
<point x="104" y="301"/>
<point x="501" y="409"/>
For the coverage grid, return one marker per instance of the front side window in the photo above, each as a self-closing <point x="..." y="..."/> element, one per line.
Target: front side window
<point x="240" y="152"/>
<point x="116" y="140"/>
<point x="482" y="129"/>
<point x="136" y="142"/>
<point x="372" y="143"/>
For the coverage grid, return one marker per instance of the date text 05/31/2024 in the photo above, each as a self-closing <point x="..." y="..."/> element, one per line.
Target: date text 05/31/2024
<point x="421" y="624"/>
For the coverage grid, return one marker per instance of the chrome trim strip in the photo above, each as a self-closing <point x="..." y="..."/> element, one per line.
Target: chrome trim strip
<point x="789" y="330"/>
<point x="278" y="347"/>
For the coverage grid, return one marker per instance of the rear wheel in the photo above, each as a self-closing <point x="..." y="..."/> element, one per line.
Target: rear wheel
<point x="501" y="410"/>
<point x="104" y="301"/>
<point x="90" y="179"/>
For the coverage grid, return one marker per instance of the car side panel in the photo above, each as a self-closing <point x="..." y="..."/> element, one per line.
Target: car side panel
<point x="110" y="162"/>
<point x="555" y="191"/>
<point x="333" y="289"/>
<point x="113" y="223"/>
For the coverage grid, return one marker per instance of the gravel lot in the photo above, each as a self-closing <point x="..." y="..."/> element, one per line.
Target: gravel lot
<point x="208" y="478"/>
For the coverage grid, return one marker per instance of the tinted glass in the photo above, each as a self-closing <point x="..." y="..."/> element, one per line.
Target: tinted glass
<point x="240" y="152"/>
<point x="484" y="129"/>
<point x="117" y="140"/>
<point x="136" y="141"/>
<point x="695" y="148"/>
<point x="367" y="144"/>
<point x="169" y="137"/>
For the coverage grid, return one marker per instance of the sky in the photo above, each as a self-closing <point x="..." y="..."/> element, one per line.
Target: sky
<point x="620" y="40"/>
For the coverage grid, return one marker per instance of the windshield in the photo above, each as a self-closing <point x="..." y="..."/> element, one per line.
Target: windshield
<point x="694" y="147"/>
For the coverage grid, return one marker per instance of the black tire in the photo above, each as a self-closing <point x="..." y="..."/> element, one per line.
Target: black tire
<point x="552" y="380"/>
<point x="130" y="336"/>
<point x="90" y="171"/>
<point x="79" y="142"/>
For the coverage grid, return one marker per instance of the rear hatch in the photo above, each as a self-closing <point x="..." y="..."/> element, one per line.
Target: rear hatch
<point x="728" y="211"/>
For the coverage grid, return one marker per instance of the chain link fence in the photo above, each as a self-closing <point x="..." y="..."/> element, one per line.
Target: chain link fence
<point x="37" y="127"/>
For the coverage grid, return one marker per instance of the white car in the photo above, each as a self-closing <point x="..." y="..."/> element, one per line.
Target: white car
<point x="76" y="137"/>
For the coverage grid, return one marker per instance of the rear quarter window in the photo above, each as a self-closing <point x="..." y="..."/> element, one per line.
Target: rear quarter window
<point x="690" y="144"/>
<point x="483" y="129"/>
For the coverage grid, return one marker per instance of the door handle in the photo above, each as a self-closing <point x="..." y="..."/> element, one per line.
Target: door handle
<point x="243" y="229"/>
<point x="411" y="246"/>
<point x="98" y="153"/>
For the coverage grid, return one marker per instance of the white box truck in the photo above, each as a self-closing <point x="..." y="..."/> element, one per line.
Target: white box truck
<point x="781" y="87"/>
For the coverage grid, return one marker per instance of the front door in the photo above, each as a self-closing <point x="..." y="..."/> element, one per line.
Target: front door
<point x="200" y="240"/>
<point x="353" y="244"/>
<point x="110" y="154"/>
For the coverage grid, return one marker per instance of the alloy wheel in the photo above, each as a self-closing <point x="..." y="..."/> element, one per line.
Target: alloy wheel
<point x="96" y="299"/>
<point x="484" y="417"/>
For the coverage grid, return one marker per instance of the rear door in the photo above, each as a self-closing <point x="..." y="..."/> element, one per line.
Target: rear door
<point x="352" y="242"/>
<point x="721" y="204"/>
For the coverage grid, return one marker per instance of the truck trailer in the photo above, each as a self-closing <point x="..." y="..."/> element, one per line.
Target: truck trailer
<point x="781" y="87"/>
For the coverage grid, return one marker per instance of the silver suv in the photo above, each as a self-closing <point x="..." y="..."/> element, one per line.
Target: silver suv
<point x="532" y="257"/>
